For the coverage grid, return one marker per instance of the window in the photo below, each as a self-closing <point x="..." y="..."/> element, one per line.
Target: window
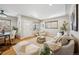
<point x="6" y="24"/>
<point x="51" y="24"/>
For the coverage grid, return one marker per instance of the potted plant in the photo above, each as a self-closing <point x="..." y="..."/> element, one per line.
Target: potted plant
<point x="46" y="50"/>
<point x="16" y="29"/>
<point x="64" y="28"/>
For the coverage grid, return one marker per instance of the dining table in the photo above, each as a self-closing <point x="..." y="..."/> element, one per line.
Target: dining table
<point x="6" y="35"/>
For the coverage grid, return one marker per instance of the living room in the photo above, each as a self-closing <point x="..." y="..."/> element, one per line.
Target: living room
<point x="39" y="26"/>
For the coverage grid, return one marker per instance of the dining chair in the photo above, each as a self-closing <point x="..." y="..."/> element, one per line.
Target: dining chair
<point x="12" y="35"/>
<point x="1" y="39"/>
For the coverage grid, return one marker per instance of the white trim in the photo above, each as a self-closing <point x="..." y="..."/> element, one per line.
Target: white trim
<point x="71" y="9"/>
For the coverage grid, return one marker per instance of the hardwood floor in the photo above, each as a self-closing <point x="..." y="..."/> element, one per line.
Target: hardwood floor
<point x="4" y="47"/>
<point x="33" y="40"/>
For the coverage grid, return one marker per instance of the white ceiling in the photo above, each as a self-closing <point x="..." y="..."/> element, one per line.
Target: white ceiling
<point x="40" y="11"/>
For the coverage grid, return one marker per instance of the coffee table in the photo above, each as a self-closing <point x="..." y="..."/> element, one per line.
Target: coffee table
<point x="41" y="39"/>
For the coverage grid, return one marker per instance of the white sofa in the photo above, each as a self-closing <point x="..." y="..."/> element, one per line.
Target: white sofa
<point x="66" y="49"/>
<point x="75" y="35"/>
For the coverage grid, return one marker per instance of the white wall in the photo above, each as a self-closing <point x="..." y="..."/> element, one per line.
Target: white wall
<point x="25" y="25"/>
<point x="60" y="22"/>
<point x="14" y="22"/>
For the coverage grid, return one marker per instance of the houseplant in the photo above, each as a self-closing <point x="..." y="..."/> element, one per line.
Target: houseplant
<point x="64" y="28"/>
<point x="16" y="29"/>
<point x="46" y="50"/>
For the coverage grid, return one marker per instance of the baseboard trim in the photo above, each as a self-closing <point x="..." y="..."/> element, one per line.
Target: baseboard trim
<point x="27" y="37"/>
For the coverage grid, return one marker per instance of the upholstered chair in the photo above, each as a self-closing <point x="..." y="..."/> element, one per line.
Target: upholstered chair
<point x="12" y="35"/>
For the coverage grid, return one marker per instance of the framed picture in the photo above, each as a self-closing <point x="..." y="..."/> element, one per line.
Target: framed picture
<point x="51" y="25"/>
<point x="74" y="18"/>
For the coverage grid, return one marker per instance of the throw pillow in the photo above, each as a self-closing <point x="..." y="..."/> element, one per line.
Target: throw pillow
<point x="63" y="40"/>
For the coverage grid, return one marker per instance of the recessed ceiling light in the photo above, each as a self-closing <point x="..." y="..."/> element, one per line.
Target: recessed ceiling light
<point x="50" y="4"/>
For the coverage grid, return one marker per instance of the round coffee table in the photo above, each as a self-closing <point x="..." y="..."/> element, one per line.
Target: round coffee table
<point x="41" y="39"/>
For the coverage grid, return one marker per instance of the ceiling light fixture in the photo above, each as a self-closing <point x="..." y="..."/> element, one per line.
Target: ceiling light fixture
<point x="50" y="4"/>
<point x="2" y="14"/>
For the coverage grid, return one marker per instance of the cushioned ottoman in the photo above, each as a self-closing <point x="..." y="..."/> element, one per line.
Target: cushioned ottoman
<point x="26" y="48"/>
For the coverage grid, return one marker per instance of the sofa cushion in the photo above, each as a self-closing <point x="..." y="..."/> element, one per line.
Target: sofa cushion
<point x="64" y="40"/>
<point x="57" y="37"/>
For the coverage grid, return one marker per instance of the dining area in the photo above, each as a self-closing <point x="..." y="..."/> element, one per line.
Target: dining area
<point x="7" y="36"/>
<point x="7" y="31"/>
<point x="4" y="36"/>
